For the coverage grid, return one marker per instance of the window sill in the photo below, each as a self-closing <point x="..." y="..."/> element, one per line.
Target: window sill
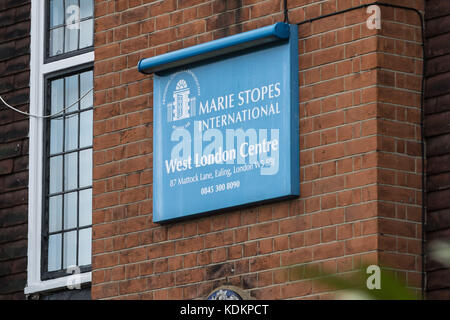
<point x="58" y="283"/>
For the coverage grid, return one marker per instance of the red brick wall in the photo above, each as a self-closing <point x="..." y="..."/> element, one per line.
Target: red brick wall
<point x="360" y="159"/>
<point x="14" y="88"/>
<point x="399" y="162"/>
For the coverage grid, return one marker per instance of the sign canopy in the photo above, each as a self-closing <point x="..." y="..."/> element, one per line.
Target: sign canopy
<point x="225" y="123"/>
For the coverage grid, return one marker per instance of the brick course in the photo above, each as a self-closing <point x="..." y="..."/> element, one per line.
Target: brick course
<point x="360" y="164"/>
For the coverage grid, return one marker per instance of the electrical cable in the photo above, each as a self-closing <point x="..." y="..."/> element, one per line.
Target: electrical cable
<point x="422" y="111"/>
<point x="47" y="116"/>
<point x="286" y="12"/>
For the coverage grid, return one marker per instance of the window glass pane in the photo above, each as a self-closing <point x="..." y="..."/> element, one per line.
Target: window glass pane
<point x="71" y="171"/>
<point x="70" y="249"/>
<point x="72" y="25"/>
<point x="70" y="210"/>
<point x="86" y="33"/>
<point x="55" y="174"/>
<point x="85" y="207"/>
<point x="86" y="83"/>
<point x="56" y="12"/>
<point x="86" y="133"/>
<point x="72" y="15"/>
<point x="57" y="93"/>
<point x="86" y="168"/>
<point x="71" y="132"/>
<point x="87" y="8"/>
<point x="71" y="39"/>
<point x="55" y="213"/>
<point x="70" y="4"/>
<point x="56" y="135"/>
<point x="84" y="249"/>
<point x="56" y="41"/>
<point x="71" y="93"/>
<point x="54" y="252"/>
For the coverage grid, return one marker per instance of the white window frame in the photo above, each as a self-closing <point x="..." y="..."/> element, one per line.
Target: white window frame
<point x="38" y="69"/>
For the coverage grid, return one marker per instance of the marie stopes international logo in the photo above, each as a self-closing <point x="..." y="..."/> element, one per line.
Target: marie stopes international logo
<point x="180" y="97"/>
<point x="182" y="106"/>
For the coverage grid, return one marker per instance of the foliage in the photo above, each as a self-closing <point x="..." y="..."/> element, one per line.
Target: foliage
<point x="355" y="285"/>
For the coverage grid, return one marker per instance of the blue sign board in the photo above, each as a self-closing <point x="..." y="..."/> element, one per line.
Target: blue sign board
<point x="225" y="123"/>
